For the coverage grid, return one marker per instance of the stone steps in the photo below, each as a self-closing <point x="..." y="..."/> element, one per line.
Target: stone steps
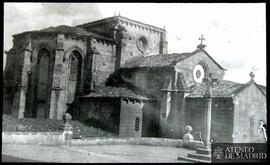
<point x="204" y="151"/>
<point x="192" y="159"/>
<point x="202" y="155"/>
<point x="199" y="156"/>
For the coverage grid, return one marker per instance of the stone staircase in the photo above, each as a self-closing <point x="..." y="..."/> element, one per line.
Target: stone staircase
<point x="202" y="155"/>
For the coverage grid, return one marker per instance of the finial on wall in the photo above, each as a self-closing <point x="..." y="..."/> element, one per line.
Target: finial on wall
<point x="252" y="76"/>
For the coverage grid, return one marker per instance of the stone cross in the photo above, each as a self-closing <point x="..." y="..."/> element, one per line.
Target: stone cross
<point x="202" y="39"/>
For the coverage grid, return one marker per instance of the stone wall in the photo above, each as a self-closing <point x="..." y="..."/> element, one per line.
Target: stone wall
<point x="104" y="111"/>
<point x="172" y="115"/>
<point x="37" y="138"/>
<point x="222" y="119"/>
<point x="102" y="28"/>
<point x="9" y="79"/>
<point x="127" y="32"/>
<point x="103" y="64"/>
<point x="132" y="35"/>
<point x="151" y="81"/>
<point x="39" y="42"/>
<point x="128" y="141"/>
<point x="67" y="46"/>
<point x="155" y="82"/>
<point x="186" y="66"/>
<point x="23" y="49"/>
<point x="150" y="120"/>
<point x="130" y="112"/>
<point x="249" y="109"/>
<point x="57" y="138"/>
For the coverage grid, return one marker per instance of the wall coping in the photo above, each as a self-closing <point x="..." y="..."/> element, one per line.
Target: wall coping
<point x="34" y="138"/>
<point x="91" y="140"/>
<point x="131" y="141"/>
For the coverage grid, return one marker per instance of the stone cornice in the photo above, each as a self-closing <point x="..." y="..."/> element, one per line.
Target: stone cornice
<point x="124" y="20"/>
<point x="109" y="19"/>
<point x="130" y="22"/>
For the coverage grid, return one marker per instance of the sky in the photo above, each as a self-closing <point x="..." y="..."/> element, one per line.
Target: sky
<point x="235" y="34"/>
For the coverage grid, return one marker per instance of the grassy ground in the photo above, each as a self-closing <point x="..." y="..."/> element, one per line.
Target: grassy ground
<point x="80" y="129"/>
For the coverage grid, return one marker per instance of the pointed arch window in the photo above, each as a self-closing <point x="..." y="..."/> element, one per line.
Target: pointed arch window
<point x="43" y="83"/>
<point x="75" y="63"/>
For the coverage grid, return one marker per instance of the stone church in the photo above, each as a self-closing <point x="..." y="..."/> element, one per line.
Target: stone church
<point x="118" y="73"/>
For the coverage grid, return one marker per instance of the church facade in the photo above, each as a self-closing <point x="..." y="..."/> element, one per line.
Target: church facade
<point x="118" y="73"/>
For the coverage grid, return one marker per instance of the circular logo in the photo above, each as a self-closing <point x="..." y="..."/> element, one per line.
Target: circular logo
<point x="198" y="73"/>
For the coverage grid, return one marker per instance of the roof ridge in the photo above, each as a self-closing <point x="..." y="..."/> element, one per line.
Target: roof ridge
<point x="231" y="82"/>
<point x="223" y="89"/>
<point x="55" y="27"/>
<point x="259" y="87"/>
<point x="136" y="58"/>
<point x="241" y="87"/>
<point x="112" y="91"/>
<point x="260" y="84"/>
<point x="213" y="60"/>
<point x="157" y="55"/>
<point x="135" y="86"/>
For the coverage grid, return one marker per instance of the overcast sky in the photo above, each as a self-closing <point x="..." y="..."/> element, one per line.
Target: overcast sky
<point x="235" y="34"/>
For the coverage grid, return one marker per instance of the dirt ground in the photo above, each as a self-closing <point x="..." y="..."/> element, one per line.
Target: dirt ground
<point x="92" y="154"/>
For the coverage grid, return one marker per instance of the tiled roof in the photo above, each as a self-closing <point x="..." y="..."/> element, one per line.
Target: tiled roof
<point x="222" y="89"/>
<point x="70" y="30"/>
<point x="115" y="92"/>
<point x="161" y="60"/>
<point x="65" y="29"/>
